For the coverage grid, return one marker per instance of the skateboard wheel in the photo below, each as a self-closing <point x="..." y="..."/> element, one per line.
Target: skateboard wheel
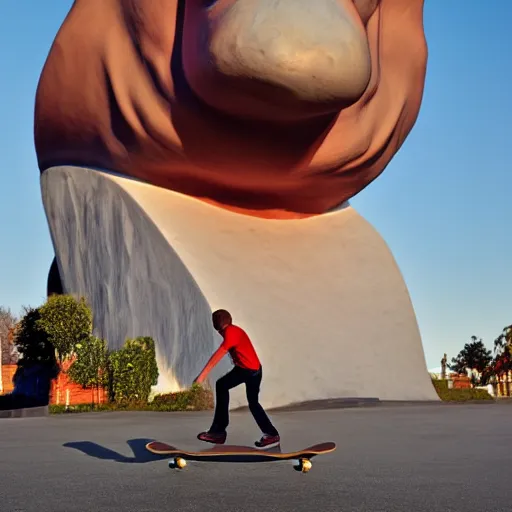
<point x="304" y="465"/>
<point x="179" y="462"/>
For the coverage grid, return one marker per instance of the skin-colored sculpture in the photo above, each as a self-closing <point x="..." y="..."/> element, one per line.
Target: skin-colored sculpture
<point x="277" y="108"/>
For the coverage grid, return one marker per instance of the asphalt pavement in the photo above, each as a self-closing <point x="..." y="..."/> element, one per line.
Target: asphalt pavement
<point x="389" y="458"/>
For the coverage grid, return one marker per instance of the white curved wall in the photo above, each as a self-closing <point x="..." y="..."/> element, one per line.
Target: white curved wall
<point x="321" y="298"/>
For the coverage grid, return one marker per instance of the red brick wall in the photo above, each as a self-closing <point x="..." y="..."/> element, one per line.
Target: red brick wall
<point x="7" y="375"/>
<point x="461" y="382"/>
<point x="63" y="391"/>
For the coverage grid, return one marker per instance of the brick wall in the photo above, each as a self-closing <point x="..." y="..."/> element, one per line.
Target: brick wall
<point x="62" y="392"/>
<point x="7" y="375"/>
<point x="65" y="392"/>
<point x="461" y="382"/>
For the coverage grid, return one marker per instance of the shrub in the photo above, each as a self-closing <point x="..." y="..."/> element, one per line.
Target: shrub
<point x="89" y="368"/>
<point x="197" y="398"/>
<point x="61" y="409"/>
<point x="441" y="385"/>
<point x="459" y="395"/>
<point x="133" y="370"/>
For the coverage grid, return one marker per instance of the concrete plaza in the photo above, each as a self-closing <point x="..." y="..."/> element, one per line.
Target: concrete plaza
<point x="390" y="458"/>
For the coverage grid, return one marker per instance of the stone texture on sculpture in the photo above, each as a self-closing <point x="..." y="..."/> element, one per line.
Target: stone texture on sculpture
<point x="246" y="124"/>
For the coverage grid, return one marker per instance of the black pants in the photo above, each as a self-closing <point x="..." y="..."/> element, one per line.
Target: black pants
<point x="252" y="380"/>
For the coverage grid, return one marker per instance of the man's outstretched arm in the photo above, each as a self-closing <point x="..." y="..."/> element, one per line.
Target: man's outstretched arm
<point x="217" y="356"/>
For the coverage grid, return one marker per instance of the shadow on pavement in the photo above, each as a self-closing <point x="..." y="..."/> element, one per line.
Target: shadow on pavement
<point x="137" y="446"/>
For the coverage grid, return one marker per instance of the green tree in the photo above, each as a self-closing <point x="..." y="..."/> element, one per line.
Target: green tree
<point x="32" y="343"/>
<point x="503" y="343"/>
<point x="66" y="321"/>
<point x="474" y="356"/>
<point x="90" y="363"/>
<point x="133" y="370"/>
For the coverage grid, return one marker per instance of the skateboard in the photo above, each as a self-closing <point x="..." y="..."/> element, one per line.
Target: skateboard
<point x="226" y="453"/>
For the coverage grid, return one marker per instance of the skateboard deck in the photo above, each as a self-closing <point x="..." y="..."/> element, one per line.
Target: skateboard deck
<point x="227" y="453"/>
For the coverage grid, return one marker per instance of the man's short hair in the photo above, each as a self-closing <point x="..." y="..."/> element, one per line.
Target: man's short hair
<point x="221" y="317"/>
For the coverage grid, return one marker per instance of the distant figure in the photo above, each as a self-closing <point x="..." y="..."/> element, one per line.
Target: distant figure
<point x="443" y="367"/>
<point x="247" y="370"/>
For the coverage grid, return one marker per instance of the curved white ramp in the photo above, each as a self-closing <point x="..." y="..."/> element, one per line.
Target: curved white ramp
<point x="322" y="298"/>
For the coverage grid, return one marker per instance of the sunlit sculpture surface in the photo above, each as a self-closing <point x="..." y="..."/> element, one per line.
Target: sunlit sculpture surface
<point x="200" y="155"/>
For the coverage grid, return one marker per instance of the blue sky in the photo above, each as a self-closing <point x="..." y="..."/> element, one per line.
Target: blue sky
<point x="443" y="205"/>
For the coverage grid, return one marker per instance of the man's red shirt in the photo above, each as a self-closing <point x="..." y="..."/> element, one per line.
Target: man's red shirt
<point x="238" y="344"/>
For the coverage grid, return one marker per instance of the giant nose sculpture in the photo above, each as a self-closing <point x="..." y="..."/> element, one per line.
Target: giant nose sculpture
<point x="276" y="51"/>
<point x="276" y="107"/>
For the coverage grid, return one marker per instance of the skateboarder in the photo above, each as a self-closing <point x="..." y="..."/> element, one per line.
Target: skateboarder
<point x="247" y="369"/>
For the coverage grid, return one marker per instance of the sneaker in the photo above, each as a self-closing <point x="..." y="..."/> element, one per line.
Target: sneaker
<point x="268" y="441"/>
<point x="212" y="437"/>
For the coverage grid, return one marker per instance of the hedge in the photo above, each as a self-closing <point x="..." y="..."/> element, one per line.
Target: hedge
<point x="196" y="398"/>
<point x="459" y="395"/>
<point x="133" y="370"/>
